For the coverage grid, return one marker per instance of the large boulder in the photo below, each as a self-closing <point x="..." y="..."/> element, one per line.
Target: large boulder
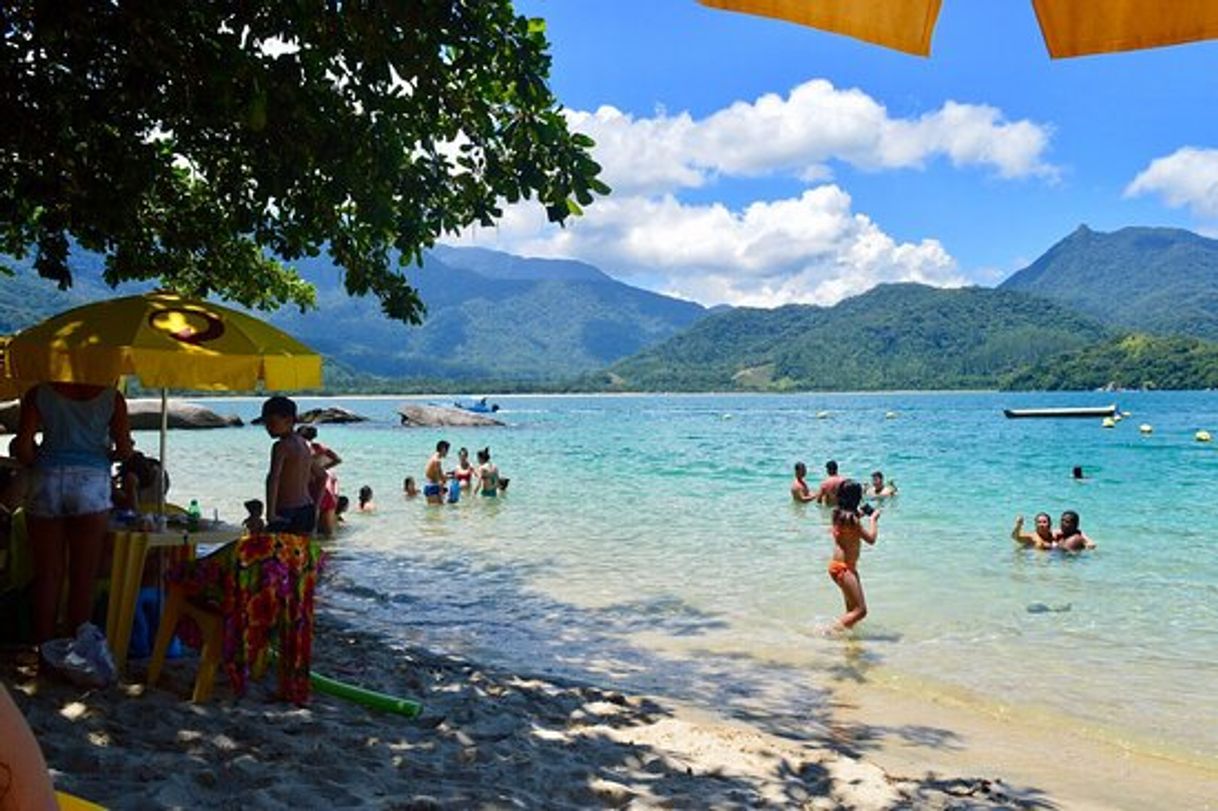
<point x="426" y="416"/>
<point x="330" y="414"/>
<point x="146" y="415"/>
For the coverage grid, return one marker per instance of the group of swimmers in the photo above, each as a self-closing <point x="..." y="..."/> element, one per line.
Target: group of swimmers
<point x="442" y="486"/>
<point x="826" y="492"/>
<point x="848" y="530"/>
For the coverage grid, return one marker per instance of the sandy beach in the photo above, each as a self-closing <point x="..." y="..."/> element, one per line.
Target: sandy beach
<point x="487" y="738"/>
<point x="496" y="739"/>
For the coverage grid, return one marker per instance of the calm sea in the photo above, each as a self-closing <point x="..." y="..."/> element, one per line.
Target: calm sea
<point x="650" y="542"/>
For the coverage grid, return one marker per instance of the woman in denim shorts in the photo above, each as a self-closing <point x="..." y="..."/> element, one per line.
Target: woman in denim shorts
<point x="68" y="502"/>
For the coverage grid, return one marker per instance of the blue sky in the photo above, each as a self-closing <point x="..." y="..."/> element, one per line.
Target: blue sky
<point x="758" y="162"/>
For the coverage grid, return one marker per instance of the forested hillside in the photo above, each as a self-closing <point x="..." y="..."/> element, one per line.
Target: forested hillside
<point x="1130" y="362"/>
<point x="1158" y="280"/>
<point x="903" y="336"/>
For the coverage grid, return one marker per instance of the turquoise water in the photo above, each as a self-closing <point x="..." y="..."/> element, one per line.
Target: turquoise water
<point x="650" y="542"/>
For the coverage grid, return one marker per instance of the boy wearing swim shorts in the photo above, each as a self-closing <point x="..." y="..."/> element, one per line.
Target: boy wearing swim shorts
<point x="289" y="507"/>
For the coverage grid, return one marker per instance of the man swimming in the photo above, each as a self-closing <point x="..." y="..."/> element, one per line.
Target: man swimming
<point x="434" y="473"/>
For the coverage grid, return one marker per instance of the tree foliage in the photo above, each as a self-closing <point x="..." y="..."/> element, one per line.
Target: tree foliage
<point x="194" y="142"/>
<point x="1134" y="361"/>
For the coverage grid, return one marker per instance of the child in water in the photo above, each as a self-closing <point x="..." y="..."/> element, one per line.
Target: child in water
<point x="365" y="500"/>
<point x="847" y="530"/>
<point x="253" y="522"/>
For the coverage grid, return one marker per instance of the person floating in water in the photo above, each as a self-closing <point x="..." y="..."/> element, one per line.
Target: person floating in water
<point x="800" y="491"/>
<point x="879" y="488"/>
<point x="847" y="531"/>
<point x="409" y="488"/>
<point x="827" y="492"/>
<point x="1042" y="538"/>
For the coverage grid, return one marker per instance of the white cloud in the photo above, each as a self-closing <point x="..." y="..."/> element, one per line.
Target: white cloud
<point x="1187" y="177"/>
<point x="799" y="134"/>
<point x="811" y="249"/>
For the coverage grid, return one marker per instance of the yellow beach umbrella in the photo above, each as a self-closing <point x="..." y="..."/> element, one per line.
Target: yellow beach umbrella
<point x="165" y="340"/>
<point x="1070" y="27"/>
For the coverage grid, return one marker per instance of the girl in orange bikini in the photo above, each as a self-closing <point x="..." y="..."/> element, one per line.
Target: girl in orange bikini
<point x="847" y="530"/>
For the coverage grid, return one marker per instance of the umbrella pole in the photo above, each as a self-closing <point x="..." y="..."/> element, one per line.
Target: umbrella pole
<point x="160" y="480"/>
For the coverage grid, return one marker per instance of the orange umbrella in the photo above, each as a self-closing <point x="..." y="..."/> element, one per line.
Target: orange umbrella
<point x="1070" y="27"/>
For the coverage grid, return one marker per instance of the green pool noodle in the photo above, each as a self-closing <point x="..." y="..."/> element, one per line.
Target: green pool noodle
<point x="368" y="698"/>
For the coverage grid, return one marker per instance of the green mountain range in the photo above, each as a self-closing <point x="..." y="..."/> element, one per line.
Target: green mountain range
<point x="502" y="322"/>
<point x="491" y="317"/>
<point x="895" y="336"/>
<point x="1156" y="280"/>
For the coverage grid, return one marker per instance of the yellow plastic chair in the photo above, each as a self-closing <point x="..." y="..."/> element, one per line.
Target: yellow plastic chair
<point x="211" y="626"/>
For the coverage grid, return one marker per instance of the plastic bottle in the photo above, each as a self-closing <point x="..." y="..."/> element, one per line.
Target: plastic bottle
<point x="193" y="515"/>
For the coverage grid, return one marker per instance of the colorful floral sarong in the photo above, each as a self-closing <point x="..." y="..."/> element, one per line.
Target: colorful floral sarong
<point x="263" y="587"/>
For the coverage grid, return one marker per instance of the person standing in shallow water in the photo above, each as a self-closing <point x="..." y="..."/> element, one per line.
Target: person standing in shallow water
<point x="800" y="491"/>
<point x="1042" y="538"/>
<point x="1069" y="537"/>
<point x="488" y="474"/>
<point x="827" y="492"/>
<point x="289" y="507"/>
<point x="847" y="531"/>
<point x="464" y="472"/>
<point x="434" y="474"/>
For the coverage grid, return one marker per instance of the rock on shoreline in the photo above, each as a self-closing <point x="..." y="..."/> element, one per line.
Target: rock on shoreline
<point x="145" y="415"/>
<point x="331" y="414"/>
<point x="426" y="416"/>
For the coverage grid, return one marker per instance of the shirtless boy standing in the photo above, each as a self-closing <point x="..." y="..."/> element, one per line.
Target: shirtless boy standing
<point x="433" y="490"/>
<point x="289" y="507"/>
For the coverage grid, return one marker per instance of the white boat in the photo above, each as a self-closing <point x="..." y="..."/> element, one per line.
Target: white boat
<point x="1086" y="411"/>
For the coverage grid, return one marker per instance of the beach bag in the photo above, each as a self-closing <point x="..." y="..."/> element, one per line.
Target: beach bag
<point x="85" y="660"/>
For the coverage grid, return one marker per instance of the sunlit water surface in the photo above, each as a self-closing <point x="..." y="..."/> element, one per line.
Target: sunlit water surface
<point x="650" y="542"/>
